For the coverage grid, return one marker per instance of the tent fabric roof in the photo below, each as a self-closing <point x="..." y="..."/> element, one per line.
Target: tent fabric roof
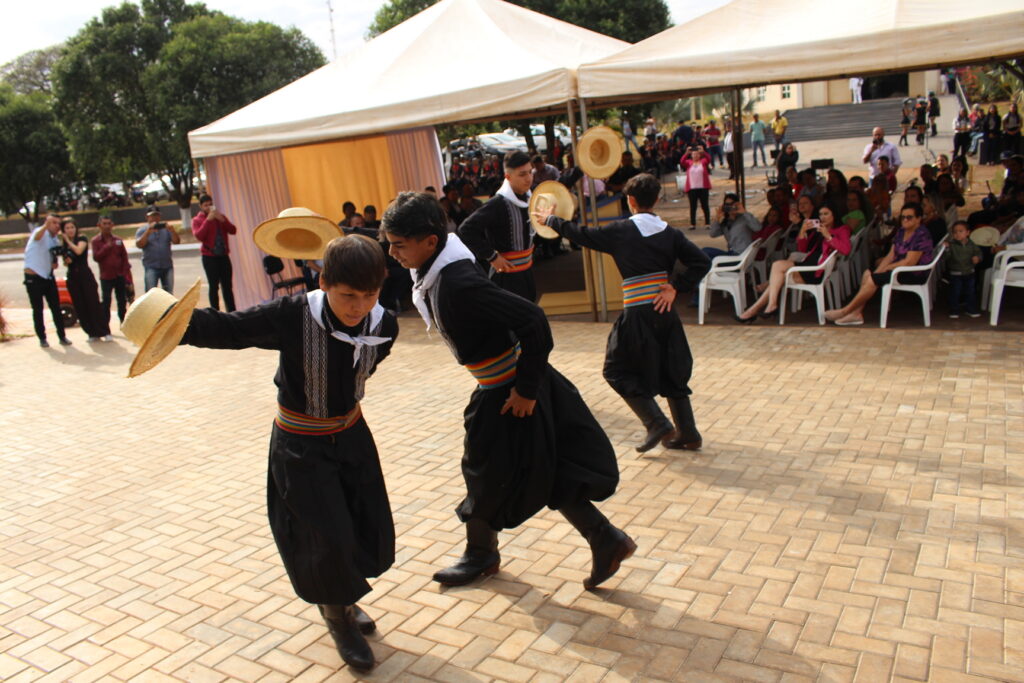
<point x="753" y="42"/>
<point x="418" y="74"/>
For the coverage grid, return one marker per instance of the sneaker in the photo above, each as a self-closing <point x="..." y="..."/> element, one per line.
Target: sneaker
<point x="92" y="339"/>
<point x="973" y="315"/>
<point x="64" y="341"/>
<point x="107" y="338"/>
<point x="954" y="316"/>
<point x="44" y="344"/>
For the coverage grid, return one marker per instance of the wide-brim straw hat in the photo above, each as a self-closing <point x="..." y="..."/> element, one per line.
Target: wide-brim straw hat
<point x="156" y="322"/>
<point x="547" y="193"/>
<point x="985" y="237"/>
<point x="296" y="233"/>
<point x="600" y="152"/>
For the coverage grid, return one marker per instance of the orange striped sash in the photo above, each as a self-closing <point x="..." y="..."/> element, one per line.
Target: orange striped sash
<point x="299" y="423"/>
<point x="520" y="260"/>
<point x="642" y="289"/>
<point x="497" y="371"/>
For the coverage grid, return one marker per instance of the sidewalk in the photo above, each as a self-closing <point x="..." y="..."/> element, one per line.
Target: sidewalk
<point x="855" y="515"/>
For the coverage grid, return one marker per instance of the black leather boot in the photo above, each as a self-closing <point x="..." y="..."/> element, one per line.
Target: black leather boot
<point x="481" y="557"/>
<point x="609" y="545"/>
<point x="653" y="419"/>
<point x="352" y="646"/>
<point x="363" y="620"/>
<point x="685" y="436"/>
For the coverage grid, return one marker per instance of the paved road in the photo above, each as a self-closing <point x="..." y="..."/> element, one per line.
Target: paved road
<point x="187" y="267"/>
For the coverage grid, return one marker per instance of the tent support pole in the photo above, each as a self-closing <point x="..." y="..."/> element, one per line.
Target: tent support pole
<point x="602" y="296"/>
<point x="739" y="173"/>
<point x="588" y="276"/>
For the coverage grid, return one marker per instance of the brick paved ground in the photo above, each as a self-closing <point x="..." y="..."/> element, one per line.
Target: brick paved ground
<point x="855" y="515"/>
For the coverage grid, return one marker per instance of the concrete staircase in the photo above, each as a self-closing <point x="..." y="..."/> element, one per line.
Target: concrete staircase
<point x="844" y="120"/>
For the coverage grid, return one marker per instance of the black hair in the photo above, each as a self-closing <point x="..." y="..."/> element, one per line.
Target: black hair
<point x="956" y="223"/>
<point x="203" y="198"/>
<point x="415" y="214"/>
<point x="430" y="188"/>
<point x="355" y="261"/>
<point x="885" y="157"/>
<point x="865" y="204"/>
<point x="348" y="205"/>
<point x="515" y="159"/>
<point x="370" y="207"/>
<point x="537" y="159"/>
<point x="731" y="196"/>
<point x="915" y="207"/>
<point x="645" y="188"/>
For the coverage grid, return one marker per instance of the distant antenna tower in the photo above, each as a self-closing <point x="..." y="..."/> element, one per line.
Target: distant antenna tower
<point x="330" y="17"/>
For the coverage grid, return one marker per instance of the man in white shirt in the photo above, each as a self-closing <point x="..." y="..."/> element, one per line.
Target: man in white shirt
<point x="856" y="83"/>
<point x="39" y="281"/>
<point x="878" y="147"/>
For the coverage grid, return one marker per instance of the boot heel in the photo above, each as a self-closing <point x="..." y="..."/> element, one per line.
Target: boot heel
<point x="492" y="570"/>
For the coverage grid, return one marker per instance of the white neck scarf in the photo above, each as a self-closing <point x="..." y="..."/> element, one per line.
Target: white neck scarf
<point x="316" y="308"/>
<point x="454" y="250"/>
<point x="506" y="191"/>
<point x="648" y="224"/>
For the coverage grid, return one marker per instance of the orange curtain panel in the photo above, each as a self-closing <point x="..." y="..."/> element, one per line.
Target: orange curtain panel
<point x="324" y="176"/>
<point x="249" y="188"/>
<point x="416" y="159"/>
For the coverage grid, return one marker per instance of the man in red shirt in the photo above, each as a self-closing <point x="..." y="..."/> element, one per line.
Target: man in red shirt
<point x="212" y="228"/>
<point x="109" y="252"/>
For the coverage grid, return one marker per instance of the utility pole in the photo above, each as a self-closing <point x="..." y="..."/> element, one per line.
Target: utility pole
<point x="330" y="19"/>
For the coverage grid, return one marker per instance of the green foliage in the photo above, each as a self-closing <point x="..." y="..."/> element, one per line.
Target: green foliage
<point x="135" y="80"/>
<point x="630" y="21"/>
<point x="33" y="152"/>
<point x="31" y="72"/>
<point x="993" y="82"/>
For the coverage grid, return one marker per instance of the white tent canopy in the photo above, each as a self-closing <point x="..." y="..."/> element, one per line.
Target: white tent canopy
<point x="754" y="42"/>
<point x="418" y="73"/>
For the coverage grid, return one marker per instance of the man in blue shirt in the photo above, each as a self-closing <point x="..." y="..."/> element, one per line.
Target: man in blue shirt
<point x="155" y="240"/>
<point x="40" y="254"/>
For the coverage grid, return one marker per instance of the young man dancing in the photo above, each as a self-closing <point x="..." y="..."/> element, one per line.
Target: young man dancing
<point x="530" y="440"/>
<point x="647" y="351"/>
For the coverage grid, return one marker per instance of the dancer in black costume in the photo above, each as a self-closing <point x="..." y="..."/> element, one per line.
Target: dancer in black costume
<point x="647" y="351"/>
<point x="530" y="440"/>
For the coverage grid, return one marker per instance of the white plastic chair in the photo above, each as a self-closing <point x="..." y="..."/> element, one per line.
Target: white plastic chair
<point x="926" y="290"/>
<point x="772" y="247"/>
<point x="1012" y="252"/>
<point x="728" y="274"/>
<point x="1011" y="274"/>
<point x="797" y="289"/>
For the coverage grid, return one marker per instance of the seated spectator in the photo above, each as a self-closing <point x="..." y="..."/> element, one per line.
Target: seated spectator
<point x="858" y="211"/>
<point x="913" y="195"/>
<point x="370" y="217"/>
<point x="958" y="171"/>
<point x="911" y="246"/>
<point x="1002" y="210"/>
<point x="794" y="181"/>
<point x="787" y="157"/>
<point x="934" y="221"/>
<point x="348" y="209"/>
<point x="468" y="203"/>
<point x="770" y="224"/>
<point x="542" y="171"/>
<point x="941" y="164"/>
<point x="950" y="196"/>
<point x="857" y="183"/>
<point x="733" y="222"/>
<point x="625" y="171"/>
<point x="836" y="189"/>
<point x="927" y="174"/>
<point x="879" y="197"/>
<point x="450" y="204"/>
<point x="809" y="186"/>
<point x="1013" y="238"/>
<point x="817" y="239"/>
<point x="799" y="212"/>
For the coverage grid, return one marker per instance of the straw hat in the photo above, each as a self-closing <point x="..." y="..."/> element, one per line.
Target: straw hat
<point x="155" y="323"/>
<point x="985" y="237"/>
<point x="600" y="152"/>
<point x="296" y="233"/>
<point x="547" y="193"/>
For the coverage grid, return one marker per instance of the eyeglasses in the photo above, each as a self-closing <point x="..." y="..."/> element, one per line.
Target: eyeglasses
<point x="908" y="217"/>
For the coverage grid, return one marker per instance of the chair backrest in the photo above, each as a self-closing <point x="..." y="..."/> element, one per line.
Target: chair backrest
<point x="936" y="259"/>
<point x="272" y="265"/>
<point x="829" y="265"/>
<point x="748" y="254"/>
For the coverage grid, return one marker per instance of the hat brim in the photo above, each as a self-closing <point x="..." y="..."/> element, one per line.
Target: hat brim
<point x="166" y="334"/>
<point x="565" y="206"/>
<point x="985" y="237"/>
<point x="600" y="152"/>
<point x="296" y="237"/>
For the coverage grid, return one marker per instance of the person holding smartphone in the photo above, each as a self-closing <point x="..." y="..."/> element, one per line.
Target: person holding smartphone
<point x="155" y="239"/>
<point x="879" y="147"/>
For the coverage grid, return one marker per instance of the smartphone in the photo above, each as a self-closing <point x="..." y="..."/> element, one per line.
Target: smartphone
<point x="814" y="223"/>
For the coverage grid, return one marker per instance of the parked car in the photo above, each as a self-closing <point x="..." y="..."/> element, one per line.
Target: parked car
<point x="500" y="143"/>
<point x="150" y="189"/>
<point x="540" y="141"/>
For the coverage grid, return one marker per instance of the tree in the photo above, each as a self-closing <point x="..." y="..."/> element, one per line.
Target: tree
<point x="34" y="161"/>
<point x="31" y="72"/>
<point x="135" y="80"/>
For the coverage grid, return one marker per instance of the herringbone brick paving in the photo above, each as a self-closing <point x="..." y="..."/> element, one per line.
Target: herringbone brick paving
<point x="855" y="515"/>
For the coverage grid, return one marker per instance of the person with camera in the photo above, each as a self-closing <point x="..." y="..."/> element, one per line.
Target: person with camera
<point x="155" y="239"/>
<point x="41" y="252"/>
<point x="734" y="223"/>
<point x="878" y="147"/>
<point x="818" y="238"/>
<point x="212" y="228"/>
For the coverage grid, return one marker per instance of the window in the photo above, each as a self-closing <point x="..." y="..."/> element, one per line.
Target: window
<point x="762" y="93"/>
<point x="786" y="92"/>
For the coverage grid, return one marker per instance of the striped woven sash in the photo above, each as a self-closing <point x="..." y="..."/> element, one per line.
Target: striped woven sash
<point x="641" y="289"/>
<point x="299" y="423"/>
<point x="520" y="260"/>
<point x="496" y="372"/>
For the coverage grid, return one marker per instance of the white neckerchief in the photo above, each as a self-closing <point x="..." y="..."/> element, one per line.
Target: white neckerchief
<point x="454" y="250"/>
<point x="506" y="191"/>
<point x="648" y="224"/>
<point x="316" y="309"/>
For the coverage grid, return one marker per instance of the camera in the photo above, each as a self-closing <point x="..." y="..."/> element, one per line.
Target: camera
<point x="159" y="225"/>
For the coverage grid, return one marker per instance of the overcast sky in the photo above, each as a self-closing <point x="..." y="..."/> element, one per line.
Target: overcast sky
<point x="34" y="25"/>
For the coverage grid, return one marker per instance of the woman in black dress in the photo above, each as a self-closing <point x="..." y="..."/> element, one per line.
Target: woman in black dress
<point x="94" y="319"/>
